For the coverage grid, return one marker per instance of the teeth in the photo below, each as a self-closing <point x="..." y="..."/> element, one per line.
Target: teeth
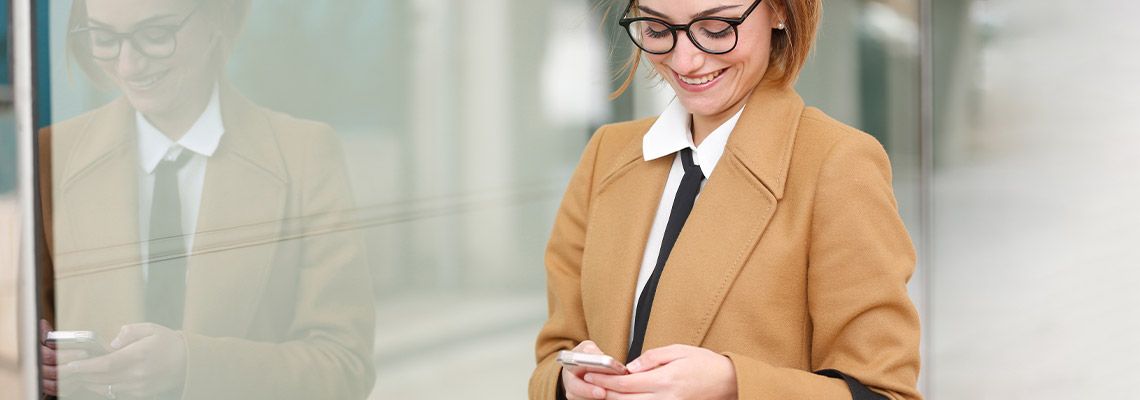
<point x="146" y="82"/>
<point x="701" y="80"/>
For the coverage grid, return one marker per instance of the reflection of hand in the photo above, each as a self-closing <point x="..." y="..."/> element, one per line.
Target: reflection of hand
<point x="576" y="388"/>
<point x="49" y="372"/>
<point x="149" y="360"/>
<point x="672" y="372"/>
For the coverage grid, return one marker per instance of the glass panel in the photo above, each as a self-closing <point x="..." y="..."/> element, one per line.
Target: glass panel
<point x="1035" y="194"/>
<point x="362" y="208"/>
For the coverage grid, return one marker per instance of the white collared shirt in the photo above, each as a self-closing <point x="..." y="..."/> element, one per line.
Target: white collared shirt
<point x="668" y="135"/>
<point x="202" y="139"/>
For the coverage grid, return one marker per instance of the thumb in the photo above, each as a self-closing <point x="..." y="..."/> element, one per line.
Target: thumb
<point x="655" y="358"/>
<point x="45" y="327"/>
<point x="132" y="333"/>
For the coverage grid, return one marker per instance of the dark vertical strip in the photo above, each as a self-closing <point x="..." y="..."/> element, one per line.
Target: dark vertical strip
<point x="41" y="64"/>
<point x="8" y="130"/>
<point x="926" y="189"/>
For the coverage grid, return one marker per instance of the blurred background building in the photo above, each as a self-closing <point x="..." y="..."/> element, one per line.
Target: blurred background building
<point x="1012" y="126"/>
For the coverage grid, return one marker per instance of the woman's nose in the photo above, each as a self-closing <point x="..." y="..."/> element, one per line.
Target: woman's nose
<point x="130" y="62"/>
<point x="686" y="57"/>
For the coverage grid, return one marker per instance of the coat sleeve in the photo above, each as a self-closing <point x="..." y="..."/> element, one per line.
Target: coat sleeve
<point x="327" y="351"/>
<point x="565" y="326"/>
<point x="864" y="328"/>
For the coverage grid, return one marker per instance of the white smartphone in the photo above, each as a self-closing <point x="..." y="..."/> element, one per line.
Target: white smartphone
<point x="593" y="362"/>
<point x="77" y="340"/>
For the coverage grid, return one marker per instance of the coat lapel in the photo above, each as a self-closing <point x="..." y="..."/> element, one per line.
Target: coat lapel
<point x="244" y="202"/>
<point x="727" y="221"/>
<point x="96" y="238"/>
<point x="623" y="213"/>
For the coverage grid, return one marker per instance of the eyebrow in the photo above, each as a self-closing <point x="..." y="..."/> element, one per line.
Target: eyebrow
<point x="701" y="14"/>
<point x="144" y="22"/>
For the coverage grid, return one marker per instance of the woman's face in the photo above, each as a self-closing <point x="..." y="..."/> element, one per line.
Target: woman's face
<point x="159" y="85"/>
<point x="713" y="85"/>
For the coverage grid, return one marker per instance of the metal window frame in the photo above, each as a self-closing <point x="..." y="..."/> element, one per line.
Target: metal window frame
<point x="23" y="55"/>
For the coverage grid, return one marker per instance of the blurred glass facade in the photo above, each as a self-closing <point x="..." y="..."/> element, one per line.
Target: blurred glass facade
<point x="418" y="149"/>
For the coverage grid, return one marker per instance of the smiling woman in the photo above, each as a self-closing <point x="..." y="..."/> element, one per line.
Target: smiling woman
<point x="741" y="245"/>
<point x="191" y="230"/>
<point x="164" y="61"/>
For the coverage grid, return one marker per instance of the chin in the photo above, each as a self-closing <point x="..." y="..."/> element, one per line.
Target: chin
<point x="148" y="105"/>
<point x="703" y="106"/>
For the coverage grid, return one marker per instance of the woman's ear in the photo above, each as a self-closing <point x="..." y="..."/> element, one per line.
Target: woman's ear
<point x="778" y="17"/>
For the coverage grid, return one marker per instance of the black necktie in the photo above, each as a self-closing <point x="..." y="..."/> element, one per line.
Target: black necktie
<point x="682" y="206"/>
<point x="166" y="275"/>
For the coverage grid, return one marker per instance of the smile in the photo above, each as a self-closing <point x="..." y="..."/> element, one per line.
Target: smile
<point x="701" y="80"/>
<point x="146" y="81"/>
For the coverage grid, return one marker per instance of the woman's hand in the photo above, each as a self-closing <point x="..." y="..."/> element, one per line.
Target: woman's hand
<point x="52" y="359"/>
<point x="672" y="372"/>
<point x="572" y="382"/>
<point x="147" y="360"/>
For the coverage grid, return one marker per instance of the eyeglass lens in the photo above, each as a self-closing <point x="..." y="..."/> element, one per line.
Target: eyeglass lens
<point x="710" y="35"/>
<point x="154" y="42"/>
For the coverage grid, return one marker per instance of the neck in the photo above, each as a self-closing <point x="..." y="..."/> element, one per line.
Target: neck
<point x="704" y="125"/>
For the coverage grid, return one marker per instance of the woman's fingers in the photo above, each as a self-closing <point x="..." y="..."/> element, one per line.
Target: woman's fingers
<point x="657" y="357"/>
<point x="45" y="327"/>
<point x="51" y="387"/>
<point x="49" y="372"/>
<point x="132" y="333"/>
<point x="63" y="357"/>
<point x="635" y="383"/>
<point x="576" y="388"/>
<point x="48" y="355"/>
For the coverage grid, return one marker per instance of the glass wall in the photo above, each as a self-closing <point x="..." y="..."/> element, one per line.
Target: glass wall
<point x="381" y="181"/>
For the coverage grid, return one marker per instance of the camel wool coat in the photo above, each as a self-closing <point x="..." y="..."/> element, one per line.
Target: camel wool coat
<point x="794" y="259"/>
<point x="278" y="301"/>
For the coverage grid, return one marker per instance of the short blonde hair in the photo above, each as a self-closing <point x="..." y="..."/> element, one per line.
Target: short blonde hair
<point x="790" y="46"/>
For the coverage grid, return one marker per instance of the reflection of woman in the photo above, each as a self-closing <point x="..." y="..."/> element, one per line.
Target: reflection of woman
<point x="738" y="246"/>
<point x="243" y="286"/>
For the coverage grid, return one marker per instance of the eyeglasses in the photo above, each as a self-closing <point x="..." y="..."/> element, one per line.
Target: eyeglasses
<point x="153" y="41"/>
<point x="713" y="35"/>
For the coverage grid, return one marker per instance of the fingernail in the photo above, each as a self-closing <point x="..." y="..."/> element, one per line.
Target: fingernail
<point x="590" y="378"/>
<point x="599" y="393"/>
<point x="115" y="344"/>
<point x="633" y="366"/>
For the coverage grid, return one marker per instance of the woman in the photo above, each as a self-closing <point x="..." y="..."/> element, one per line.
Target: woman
<point x="194" y="232"/>
<point x="738" y="246"/>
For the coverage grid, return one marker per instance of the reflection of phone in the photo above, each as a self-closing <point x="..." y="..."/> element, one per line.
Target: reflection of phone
<point x="592" y="362"/>
<point x="77" y="340"/>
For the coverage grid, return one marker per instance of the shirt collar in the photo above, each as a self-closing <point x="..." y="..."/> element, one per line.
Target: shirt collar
<point x="671" y="133"/>
<point x="202" y="138"/>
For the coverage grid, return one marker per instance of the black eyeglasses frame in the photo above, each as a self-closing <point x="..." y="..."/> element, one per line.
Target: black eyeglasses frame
<point x="673" y="28"/>
<point x="171" y="30"/>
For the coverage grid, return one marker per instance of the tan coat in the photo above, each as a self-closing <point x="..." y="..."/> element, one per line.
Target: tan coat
<point x="278" y="297"/>
<point x="793" y="260"/>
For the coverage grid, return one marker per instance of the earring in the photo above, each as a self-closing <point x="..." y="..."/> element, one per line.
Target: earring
<point x="781" y="26"/>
